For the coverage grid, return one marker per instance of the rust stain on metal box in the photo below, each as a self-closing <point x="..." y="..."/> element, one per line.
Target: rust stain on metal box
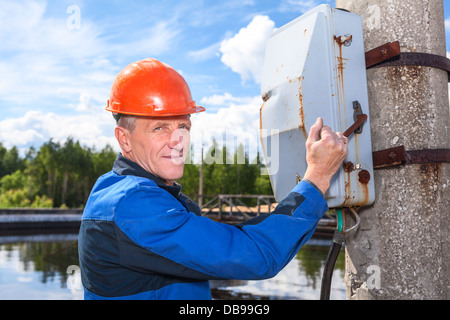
<point x="302" y="116"/>
<point x="340" y="41"/>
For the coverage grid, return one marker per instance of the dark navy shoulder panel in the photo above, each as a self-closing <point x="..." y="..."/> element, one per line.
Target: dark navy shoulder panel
<point x="98" y="257"/>
<point x="113" y="265"/>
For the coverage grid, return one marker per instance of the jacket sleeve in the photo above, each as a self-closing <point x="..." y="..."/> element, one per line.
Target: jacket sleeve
<point x="162" y="236"/>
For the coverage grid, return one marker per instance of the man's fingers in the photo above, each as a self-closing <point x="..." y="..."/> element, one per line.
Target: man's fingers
<point x="326" y="131"/>
<point x="341" y="137"/>
<point x="314" y="132"/>
<point x="329" y="136"/>
<point x="337" y="137"/>
<point x="319" y="132"/>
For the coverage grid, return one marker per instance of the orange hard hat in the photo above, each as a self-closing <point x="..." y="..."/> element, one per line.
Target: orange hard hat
<point x="151" y="88"/>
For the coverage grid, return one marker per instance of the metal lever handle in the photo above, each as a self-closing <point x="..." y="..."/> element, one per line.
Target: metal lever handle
<point x="361" y="118"/>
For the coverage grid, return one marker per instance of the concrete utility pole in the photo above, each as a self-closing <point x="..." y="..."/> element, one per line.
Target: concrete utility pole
<point x="402" y="247"/>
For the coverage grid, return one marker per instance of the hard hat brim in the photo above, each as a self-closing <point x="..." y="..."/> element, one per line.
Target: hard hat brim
<point x="155" y="113"/>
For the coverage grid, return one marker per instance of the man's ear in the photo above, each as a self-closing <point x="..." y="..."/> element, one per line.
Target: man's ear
<point x="123" y="137"/>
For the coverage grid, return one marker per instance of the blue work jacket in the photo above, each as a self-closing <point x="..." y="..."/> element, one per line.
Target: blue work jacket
<point x="141" y="239"/>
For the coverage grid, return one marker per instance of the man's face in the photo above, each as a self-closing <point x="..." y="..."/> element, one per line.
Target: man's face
<point x="160" y="145"/>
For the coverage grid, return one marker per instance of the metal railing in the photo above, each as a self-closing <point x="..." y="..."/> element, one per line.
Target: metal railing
<point x="236" y="208"/>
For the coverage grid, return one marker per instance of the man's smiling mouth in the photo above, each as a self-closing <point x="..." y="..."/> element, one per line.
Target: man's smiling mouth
<point x="175" y="156"/>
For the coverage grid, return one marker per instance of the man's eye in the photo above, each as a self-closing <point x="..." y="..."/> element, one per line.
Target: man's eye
<point x="157" y="129"/>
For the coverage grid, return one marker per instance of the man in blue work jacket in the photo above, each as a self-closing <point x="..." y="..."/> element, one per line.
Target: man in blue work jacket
<point x="141" y="238"/>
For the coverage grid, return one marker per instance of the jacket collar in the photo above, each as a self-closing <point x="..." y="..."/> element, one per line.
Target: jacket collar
<point x="126" y="167"/>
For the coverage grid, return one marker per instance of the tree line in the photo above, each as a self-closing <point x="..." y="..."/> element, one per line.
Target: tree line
<point x="61" y="175"/>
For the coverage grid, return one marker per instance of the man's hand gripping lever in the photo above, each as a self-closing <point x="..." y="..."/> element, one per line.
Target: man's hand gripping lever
<point x="326" y="150"/>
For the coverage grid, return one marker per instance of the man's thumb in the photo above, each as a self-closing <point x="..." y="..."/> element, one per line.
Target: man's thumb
<point x="314" y="132"/>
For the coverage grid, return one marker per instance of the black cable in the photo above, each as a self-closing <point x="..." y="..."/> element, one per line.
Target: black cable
<point x="335" y="249"/>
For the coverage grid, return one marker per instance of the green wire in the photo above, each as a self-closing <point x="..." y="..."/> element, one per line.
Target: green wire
<point x="340" y="220"/>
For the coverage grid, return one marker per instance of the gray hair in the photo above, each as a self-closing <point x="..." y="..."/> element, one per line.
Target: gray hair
<point x="125" y="121"/>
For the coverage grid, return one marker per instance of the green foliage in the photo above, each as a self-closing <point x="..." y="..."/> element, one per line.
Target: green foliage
<point x="9" y="161"/>
<point x="14" y="199"/>
<point x="13" y="181"/>
<point x="57" y="175"/>
<point x="42" y="202"/>
<point x="62" y="175"/>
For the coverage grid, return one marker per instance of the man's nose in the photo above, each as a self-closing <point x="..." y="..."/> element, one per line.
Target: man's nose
<point x="176" y="140"/>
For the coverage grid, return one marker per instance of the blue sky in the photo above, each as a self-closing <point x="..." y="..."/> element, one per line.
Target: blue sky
<point x="58" y="60"/>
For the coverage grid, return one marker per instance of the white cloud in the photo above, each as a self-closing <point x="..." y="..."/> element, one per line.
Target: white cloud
<point x="44" y="59"/>
<point x="151" y="41"/>
<point x="447" y="24"/>
<point x="244" y="53"/>
<point x="224" y="100"/>
<point x="232" y="125"/>
<point x="25" y="28"/>
<point x="85" y="103"/>
<point x="94" y="129"/>
<point x="205" y="53"/>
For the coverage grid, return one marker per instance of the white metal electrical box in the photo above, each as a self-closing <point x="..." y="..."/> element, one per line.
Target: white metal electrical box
<point x="315" y="67"/>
